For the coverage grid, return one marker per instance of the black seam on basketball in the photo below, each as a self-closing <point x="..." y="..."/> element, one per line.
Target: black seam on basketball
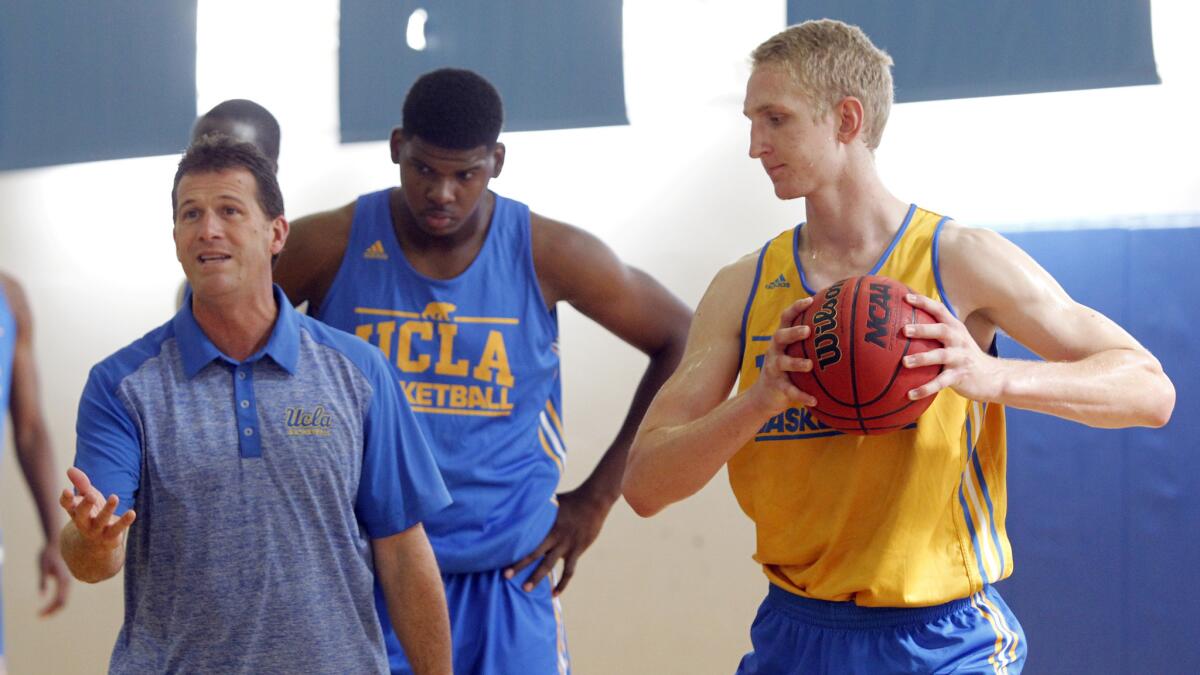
<point x="854" y="350"/>
<point x="873" y="417"/>
<point x="899" y="364"/>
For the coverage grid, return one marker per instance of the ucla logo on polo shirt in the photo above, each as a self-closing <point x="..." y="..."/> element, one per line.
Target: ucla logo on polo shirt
<point x="301" y="422"/>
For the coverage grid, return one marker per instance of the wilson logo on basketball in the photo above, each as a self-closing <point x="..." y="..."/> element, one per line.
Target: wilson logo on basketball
<point x="825" y="329"/>
<point x="298" y="422"/>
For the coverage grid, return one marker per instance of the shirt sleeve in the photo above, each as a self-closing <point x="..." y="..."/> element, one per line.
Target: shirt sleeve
<point x="400" y="484"/>
<point x="108" y="446"/>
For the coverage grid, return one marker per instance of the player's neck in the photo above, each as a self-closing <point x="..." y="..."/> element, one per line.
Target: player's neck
<point x="238" y="323"/>
<point x="847" y="228"/>
<point x="852" y="211"/>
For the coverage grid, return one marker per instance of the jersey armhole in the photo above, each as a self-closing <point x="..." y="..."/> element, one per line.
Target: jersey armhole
<point x="937" y="270"/>
<point x="549" y="315"/>
<point x="344" y="263"/>
<point x="750" y="302"/>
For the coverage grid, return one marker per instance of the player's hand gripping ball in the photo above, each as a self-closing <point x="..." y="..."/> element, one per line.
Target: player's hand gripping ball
<point x="857" y="347"/>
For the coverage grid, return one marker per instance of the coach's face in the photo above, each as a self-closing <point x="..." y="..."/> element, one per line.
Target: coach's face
<point x="223" y="238"/>
<point x="442" y="187"/>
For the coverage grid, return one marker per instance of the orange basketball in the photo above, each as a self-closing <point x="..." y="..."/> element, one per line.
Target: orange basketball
<point x="857" y="347"/>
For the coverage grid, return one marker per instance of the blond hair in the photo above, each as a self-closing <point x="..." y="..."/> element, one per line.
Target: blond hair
<point x="830" y="60"/>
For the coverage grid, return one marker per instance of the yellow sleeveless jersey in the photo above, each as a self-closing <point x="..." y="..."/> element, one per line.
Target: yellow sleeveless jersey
<point x="906" y="519"/>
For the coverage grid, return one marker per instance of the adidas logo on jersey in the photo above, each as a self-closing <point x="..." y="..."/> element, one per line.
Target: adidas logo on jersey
<point x="779" y="282"/>
<point x="375" y="251"/>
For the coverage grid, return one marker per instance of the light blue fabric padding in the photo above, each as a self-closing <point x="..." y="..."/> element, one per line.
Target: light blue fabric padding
<point x="966" y="48"/>
<point x="1102" y="522"/>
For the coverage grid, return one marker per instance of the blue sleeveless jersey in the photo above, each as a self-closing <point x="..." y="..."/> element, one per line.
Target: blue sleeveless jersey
<point x="8" y="343"/>
<point x="477" y="358"/>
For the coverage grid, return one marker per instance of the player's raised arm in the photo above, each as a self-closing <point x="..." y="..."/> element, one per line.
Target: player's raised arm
<point x="313" y="254"/>
<point x="692" y="429"/>
<point x="1094" y="371"/>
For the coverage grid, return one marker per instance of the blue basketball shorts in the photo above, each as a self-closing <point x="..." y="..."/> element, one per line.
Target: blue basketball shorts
<point x="496" y="627"/>
<point x="794" y="635"/>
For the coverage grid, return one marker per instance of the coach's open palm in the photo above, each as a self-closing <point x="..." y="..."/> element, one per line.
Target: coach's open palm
<point x="92" y="514"/>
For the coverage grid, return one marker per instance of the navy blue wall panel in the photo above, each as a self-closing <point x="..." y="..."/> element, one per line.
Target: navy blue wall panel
<point x="1103" y="522"/>
<point x="557" y="65"/>
<point x="85" y="81"/>
<point x="962" y="48"/>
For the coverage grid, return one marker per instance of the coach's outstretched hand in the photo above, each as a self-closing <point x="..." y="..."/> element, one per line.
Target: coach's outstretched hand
<point x="92" y="514"/>
<point x="580" y="518"/>
<point x="91" y="541"/>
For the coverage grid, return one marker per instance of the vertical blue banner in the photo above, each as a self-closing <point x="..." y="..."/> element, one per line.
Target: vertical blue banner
<point x="85" y="81"/>
<point x="557" y="64"/>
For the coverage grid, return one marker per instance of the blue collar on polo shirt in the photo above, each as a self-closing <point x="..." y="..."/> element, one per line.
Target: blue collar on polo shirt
<point x="198" y="351"/>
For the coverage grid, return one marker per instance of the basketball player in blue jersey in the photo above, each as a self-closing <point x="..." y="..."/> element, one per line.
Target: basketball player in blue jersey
<point x="881" y="551"/>
<point x="19" y="396"/>
<point x="458" y="286"/>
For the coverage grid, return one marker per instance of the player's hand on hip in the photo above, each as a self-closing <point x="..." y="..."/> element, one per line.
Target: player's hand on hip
<point x="578" y="524"/>
<point x="774" y="387"/>
<point x="965" y="367"/>
<point x="92" y="514"/>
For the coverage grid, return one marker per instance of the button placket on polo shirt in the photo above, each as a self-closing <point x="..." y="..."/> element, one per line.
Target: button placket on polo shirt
<point x="246" y="411"/>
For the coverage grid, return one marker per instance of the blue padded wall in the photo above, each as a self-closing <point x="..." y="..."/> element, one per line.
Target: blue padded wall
<point x="104" y="80"/>
<point x="1103" y="522"/>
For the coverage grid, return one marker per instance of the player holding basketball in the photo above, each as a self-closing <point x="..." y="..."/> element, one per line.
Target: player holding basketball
<point x="19" y="397"/>
<point x="458" y="286"/>
<point x="881" y="551"/>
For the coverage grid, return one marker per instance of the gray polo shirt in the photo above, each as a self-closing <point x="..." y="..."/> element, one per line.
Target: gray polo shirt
<point x="258" y="486"/>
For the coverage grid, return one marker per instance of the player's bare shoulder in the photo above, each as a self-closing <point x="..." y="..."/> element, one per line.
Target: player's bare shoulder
<point x="571" y="261"/>
<point x="313" y="253"/>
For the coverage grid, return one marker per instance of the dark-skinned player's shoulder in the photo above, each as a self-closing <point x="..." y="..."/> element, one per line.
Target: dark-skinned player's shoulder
<point x="562" y="253"/>
<point x="313" y="253"/>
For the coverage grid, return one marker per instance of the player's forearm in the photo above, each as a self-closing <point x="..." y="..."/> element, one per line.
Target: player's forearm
<point x="1112" y="389"/>
<point x="88" y="561"/>
<point x="416" y="600"/>
<point x="36" y="458"/>
<point x="671" y="463"/>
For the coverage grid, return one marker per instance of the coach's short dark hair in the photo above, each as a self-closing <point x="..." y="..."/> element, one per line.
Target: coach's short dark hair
<point x="454" y="109"/>
<point x="217" y="152"/>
